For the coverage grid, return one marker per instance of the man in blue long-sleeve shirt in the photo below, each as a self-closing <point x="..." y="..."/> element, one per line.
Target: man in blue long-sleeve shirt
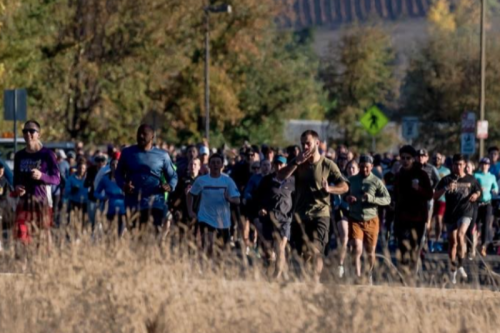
<point x="139" y="174"/>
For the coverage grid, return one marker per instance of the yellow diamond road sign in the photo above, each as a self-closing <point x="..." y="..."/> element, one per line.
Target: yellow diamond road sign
<point x="374" y="120"/>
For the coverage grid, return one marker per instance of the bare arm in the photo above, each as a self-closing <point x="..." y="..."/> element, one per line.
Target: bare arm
<point x="339" y="189"/>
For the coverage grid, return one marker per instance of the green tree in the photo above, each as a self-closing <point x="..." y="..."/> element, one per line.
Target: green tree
<point x="357" y="73"/>
<point x="95" y="69"/>
<point x="443" y="81"/>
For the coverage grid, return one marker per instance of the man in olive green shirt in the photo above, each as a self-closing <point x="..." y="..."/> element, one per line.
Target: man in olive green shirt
<point x="313" y="178"/>
<point x="367" y="193"/>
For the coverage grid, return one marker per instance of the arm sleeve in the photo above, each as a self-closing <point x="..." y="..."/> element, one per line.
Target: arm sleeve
<point x="435" y="177"/>
<point x="233" y="190"/>
<point x="196" y="188"/>
<point x="99" y="191"/>
<point x="335" y="177"/>
<point x="67" y="188"/>
<point x="382" y="196"/>
<point x="53" y="176"/>
<point x="169" y="172"/>
<point x="121" y="170"/>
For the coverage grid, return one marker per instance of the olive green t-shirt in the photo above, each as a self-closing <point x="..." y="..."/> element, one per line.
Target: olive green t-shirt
<point x="311" y="199"/>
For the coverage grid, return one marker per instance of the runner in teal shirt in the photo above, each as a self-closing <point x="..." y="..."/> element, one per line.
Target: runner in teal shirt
<point x="489" y="185"/>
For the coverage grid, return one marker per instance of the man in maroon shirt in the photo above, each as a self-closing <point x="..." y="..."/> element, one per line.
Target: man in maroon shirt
<point x="412" y="191"/>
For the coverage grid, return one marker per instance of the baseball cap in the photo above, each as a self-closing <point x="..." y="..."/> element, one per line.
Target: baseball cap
<point x="484" y="160"/>
<point x="366" y="159"/>
<point x="422" y="152"/>
<point x="204" y="150"/>
<point x="280" y="159"/>
<point x="61" y="154"/>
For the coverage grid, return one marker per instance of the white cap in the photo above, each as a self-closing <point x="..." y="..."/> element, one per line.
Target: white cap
<point x="61" y="154"/>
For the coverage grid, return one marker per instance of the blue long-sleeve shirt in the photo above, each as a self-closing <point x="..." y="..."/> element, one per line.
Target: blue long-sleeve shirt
<point x="488" y="183"/>
<point x="252" y="185"/>
<point x="108" y="189"/>
<point x="144" y="168"/>
<point x="75" y="191"/>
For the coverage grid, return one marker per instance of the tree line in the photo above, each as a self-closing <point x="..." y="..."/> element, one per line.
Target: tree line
<point x="95" y="69"/>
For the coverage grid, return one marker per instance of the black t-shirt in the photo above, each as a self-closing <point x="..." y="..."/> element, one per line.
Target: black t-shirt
<point x="457" y="202"/>
<point x="275" y="196"/>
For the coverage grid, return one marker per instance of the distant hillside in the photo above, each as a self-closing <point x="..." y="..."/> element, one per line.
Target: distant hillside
<point x="333" y="13"/>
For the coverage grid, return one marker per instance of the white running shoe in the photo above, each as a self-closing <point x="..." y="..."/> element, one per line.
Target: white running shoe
<point x="462" y="273"/>
<point x="453" y="277"/>
<point x="341" y="271"/>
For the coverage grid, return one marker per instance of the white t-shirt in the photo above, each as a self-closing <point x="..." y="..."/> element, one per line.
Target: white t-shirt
<point x="214" y="209"/>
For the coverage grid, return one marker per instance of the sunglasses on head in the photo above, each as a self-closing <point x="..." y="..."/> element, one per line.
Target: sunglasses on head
<point x="30" y="131"/>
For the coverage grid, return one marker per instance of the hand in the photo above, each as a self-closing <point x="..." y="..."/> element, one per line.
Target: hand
<point x="367" y="197"/>
<point x="303" y="156"/>
<point x="36" y="174"/>
<point x="128" y="188"/>
<point x="325" y="185"/>
<point x="262" y="212"/>
<point x="474" y="197"/>
<point x="188" y="188"/>
<point x="20" y="190"/>
<point x="166" y="188"/>
<point x="351" y="199"/>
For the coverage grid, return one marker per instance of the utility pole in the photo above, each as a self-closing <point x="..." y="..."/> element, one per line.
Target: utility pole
<point x="483" y="72"/>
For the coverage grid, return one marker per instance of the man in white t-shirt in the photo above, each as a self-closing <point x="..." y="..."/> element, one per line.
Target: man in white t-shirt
<point x="217" y="191"/>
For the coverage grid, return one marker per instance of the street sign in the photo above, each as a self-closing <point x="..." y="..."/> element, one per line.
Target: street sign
<point x="468" y="146"/>
<point x="468" y="122"/>
<point x="482" y="129"/>
<point x="410" y="128"/>
<point x="15" y="108"/>
<point x="15" y="104"/>
<point x="374" y="120"/>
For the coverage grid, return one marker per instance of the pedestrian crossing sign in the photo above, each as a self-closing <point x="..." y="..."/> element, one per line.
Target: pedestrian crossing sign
<point x="374" y="120"/>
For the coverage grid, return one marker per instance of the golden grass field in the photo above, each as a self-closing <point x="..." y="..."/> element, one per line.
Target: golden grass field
<point x="132" y="287"/>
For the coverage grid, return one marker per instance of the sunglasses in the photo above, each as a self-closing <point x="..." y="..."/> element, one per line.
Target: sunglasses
<point x="255" y="168"/>
<point x="406" y="158"/>
<point x="30" y="131"/>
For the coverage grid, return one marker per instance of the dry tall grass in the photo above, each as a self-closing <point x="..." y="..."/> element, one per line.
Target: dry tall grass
<point x="138" y="286"/>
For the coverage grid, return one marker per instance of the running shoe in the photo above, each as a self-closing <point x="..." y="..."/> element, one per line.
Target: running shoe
<point x="341" y="271"/>
<point x="462" y="273"/>
<point x="453" y="277"/>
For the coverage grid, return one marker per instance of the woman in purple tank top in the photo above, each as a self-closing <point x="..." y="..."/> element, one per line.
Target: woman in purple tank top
<point x="35" y="169"/>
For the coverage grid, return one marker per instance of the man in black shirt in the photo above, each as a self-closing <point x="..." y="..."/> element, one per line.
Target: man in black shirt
<point x="275" y="213"/>
<point x="461" y="191"/>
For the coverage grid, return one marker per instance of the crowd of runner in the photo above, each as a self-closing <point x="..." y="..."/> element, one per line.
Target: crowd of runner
<point x="307" y="199"/>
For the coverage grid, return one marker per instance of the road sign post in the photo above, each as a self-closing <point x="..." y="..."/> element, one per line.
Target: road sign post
<point x="15" y="108"/>
<point x="468" y="138"/>
<point x="409" y="128"/>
